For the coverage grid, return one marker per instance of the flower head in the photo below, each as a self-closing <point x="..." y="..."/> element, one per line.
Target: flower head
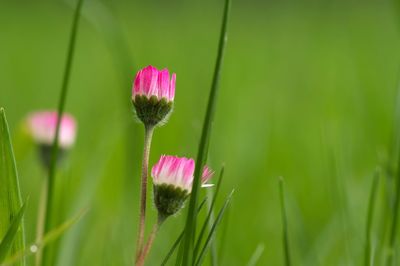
<point x="153" y="82"/>
<point x="42" y="126"/>
<point x="153" y="94"/>
<point x="173" y="179"/>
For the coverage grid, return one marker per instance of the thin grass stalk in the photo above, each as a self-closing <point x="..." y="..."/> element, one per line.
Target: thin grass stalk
<point x="370" y="214"/>
<point x="210" y="212"/>
<point x="143" y="191"/>
<point x="213" y="230"/>
<point x="40" y="218"/>
<point x="394" y="222"/>
<point x="255" y="257"/>
<point x="61" y="106"/>
<point x="190" y="226"/>
<point x="178" y="240"/>
<point x="224" y="235"/>
<point x="285" y="238"/>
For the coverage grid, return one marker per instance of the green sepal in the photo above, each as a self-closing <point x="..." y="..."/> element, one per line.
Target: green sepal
<point x="45" y="151"/>
<point x="169" y="199"/>
<point x="152" y="111"/>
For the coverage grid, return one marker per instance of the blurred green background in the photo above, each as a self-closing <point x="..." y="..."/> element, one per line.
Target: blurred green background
<point x="308" y="92"/>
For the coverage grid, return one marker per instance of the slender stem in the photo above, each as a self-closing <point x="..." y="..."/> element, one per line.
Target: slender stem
<point x="143" y="191"/>
<point x="370" y="214"/>
<point x="40" y="219"/>
<point x="142" y="256"/>
<point x="284" y="224"/>
<point x="61" y="105"/>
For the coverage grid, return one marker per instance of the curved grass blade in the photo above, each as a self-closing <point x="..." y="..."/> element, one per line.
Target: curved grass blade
<point x="370" y="215"/>
<point x="8" y="239"/>
<point x="190" y="226"/>
<point x="256" y="255"/>
<point x="394" y="221"/>
<point x="213" y="230"/>
<point x="206" y="222"/>
<point x="60" y="110"/>
<point x="224" y="235"/>
<point x="47" y="239"/>
<point x="10" y="195"/>
<point x="178" y="240"/>
<point x="284" y="224"/>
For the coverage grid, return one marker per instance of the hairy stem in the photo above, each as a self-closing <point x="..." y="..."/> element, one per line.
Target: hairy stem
<point x="149" y="243"/>
<point x="143" y="191"/>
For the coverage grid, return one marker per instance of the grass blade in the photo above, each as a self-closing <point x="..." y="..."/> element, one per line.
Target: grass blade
<point x="178" y="240"/>
<point x="60" y="110"/>
<point x="213" y="230"/>
<point x="393" y="225"/>
<point x="47" y="239"/>
<point x="190" y="226"/>
<point x="10" y="195"/>
<point x="370" y="215"/>
<point x="8" y="239"/>
<point x="284" y="224"/>
<point x="256" y="255"/>
<point x="203" y="229"/>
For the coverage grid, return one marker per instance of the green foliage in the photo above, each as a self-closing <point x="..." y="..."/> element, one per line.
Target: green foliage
<point x="212" y="232"/>
<point x="369" y="255"/>
<point x="299" y="78"/>
<point x="7" y="241"/>
<point x="11" y="208"/>
<point x="49" y="255"/>
<point x="50" y="237"/>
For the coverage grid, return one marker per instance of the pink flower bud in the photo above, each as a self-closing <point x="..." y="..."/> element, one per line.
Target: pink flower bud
<point x="42" y="127"/>
<point x="153" y="94"/>
<point x="173" y="179"/>
<point x="172" y="170"/>
<point x="153" y="82"/>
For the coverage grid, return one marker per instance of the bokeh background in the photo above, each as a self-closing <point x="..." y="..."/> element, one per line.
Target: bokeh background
<point x="308" y="92"/>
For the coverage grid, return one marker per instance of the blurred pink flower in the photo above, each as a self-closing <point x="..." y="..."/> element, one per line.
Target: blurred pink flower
<point x="153" y="82"/>
<point x="42" y="127"/>
<point x="176" y="171"/>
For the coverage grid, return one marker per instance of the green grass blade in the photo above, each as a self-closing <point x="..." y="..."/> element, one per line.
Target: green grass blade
<point x="213" y="230"/>
<point x="8" y="239"/>
<point x="224" y="236"/>
<point x="47" y="239"/>
<point x="256" y="255"/>
<point x="370" y="215"/>
<point x="206" y="222"/>
<point x="394" y="221"/>
<point x="10" y="195"/>
<point x="204" y="141"/>
<point x="178" y="240"/>
<point x="60" y="110"/>
<point x="284" y="224"/>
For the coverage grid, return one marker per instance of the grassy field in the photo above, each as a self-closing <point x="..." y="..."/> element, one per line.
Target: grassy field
<point x="308" y="92"/>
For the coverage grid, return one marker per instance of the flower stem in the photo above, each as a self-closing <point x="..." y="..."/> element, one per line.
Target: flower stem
<point x="143" y="191"/>
<point x="149" y="243"/>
